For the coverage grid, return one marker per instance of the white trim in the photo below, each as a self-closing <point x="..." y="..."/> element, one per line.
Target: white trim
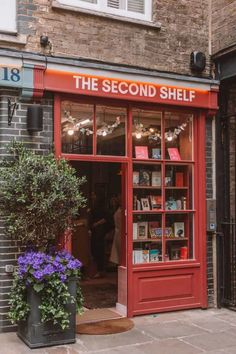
<point x="101" y="6"/>
<point x="121" y="309"/>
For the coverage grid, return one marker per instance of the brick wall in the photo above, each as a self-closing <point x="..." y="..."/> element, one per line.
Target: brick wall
<point x="184" y="28"/>
<point x="209" y="194"/>
<point x="42" y="141"/>
<point x="223" y="24"/>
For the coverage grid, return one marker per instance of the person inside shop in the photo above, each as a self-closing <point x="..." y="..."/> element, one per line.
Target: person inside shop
<point x="99" y="220"/>
<point x="116" y="244"/>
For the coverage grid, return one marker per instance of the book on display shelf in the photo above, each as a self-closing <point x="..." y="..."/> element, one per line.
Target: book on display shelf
<point x="142" y="232"/>
<point x="154" y="255"/>
<point x="153" y="229"/>
<point x="174" y="154"/>
<point x="156" y="178"/>
<point x="141" y="152"/>
<point x="179" y="229"/>
<point x="144" y="178"/>
<point x="155" y="201"/>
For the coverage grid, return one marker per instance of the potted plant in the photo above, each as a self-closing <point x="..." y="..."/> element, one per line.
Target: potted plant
<point x="40" y="198"/>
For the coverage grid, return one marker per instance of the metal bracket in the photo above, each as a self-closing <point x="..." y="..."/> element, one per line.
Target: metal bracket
<point x="11" y="110"/>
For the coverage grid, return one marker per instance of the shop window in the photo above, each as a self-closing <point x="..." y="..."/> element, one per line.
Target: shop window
<point x="110" y="130"/>
<point x="79" y="121"/>
<point x="8" y="16"/>
<point x="77" y="128"/>
<point x="137" y="9"/>
<point x="163" y="208"/>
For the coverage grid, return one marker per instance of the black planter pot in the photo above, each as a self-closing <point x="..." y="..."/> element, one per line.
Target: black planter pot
<point x="36" y="334"/>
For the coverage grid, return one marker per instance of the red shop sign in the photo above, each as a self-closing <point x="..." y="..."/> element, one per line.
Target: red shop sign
<point x="130" y="90"/>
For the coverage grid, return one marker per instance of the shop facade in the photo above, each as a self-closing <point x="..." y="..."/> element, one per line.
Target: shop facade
<point x="146" y="111"/>
<point x="155" y="128"/>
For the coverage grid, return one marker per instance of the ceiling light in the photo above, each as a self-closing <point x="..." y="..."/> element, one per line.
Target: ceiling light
<point x="70" y="132"/>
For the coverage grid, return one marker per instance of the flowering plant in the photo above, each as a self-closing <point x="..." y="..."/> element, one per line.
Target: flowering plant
<point x="48" y="275"/>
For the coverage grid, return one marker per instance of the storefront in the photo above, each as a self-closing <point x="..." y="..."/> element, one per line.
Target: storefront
<point x="154" y="127"/>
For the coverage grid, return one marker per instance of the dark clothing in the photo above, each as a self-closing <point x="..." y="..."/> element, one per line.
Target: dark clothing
<point x="98" y="236"/>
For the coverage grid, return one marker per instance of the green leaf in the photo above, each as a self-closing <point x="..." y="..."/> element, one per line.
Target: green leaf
<point x="38" y="287"/>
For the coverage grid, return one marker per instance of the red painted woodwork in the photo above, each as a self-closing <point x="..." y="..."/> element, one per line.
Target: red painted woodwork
<point x="155" y="287"/>
<point x="38" y="81"/>
<point x="92" y="85"/>
<point x="166" y="289"/>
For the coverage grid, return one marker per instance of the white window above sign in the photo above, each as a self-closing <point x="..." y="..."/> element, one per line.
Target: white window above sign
<point x="135" y="9"/>
<point x="8" y="16"/>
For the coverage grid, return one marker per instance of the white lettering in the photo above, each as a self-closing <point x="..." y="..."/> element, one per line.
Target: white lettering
<point x="152" y="91"/>
<point x="94" y="84"/>
<point x="163" y="93"/>
<point x="106" y="86"/>
<point x="114" y="86"/>
<point x="77" y="79"/>
<point x="191" y="95"/>
<point x="179" y="94"/>
<point x="124" y="84"/>
<point x="135" y="87"/>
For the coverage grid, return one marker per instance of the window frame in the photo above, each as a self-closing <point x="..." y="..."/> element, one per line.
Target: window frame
<point x="12" y="22"/>
<point x="101" y="7"/>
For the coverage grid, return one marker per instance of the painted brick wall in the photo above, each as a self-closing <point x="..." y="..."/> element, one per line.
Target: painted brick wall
<point x="184" y="28"/>
<point x="42" y="141"/>
<point x="223" y="24"/>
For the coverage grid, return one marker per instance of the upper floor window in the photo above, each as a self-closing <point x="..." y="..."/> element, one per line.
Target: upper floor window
<point x="138" y="9"/>
<point x="8" y="16"/>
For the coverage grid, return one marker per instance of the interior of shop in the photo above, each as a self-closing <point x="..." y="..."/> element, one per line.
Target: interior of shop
<point x="96" y="239"/>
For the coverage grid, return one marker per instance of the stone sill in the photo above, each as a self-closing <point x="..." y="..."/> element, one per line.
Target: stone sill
<point x="13" y="39"/>
<point x="156" y="25"/>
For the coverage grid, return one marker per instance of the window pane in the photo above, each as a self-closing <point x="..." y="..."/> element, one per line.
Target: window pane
<point x="178" y="136"/>
<point x="146" y="133"/>
<point x="179" y="242"/>
<point x="8" y="15"/>
<point x="147" y="238"/>
<point x="77" y="128"/>
<point x="111" y="123"/>
<point x="178" y="187"/>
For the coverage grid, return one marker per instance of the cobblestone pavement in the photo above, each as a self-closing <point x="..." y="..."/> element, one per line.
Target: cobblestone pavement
<point x="211" y="331"/>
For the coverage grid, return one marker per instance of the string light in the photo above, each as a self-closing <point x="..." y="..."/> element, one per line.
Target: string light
<point x="155" y="134"/>
<point x="79" y="126"/>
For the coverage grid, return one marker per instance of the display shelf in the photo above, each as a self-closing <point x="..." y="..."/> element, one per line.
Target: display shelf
<point x="145" y="187"/>
<point x="154" y="211"/>
<point x="176" y="188"/>
<point x="148" y="240"/>
<point x="176" y="239"/>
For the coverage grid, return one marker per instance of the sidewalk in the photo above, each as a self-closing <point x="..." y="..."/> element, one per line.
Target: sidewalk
<point x="210" y="331"/>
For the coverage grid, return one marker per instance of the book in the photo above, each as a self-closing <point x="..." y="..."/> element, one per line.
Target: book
<point x="152" y="227"/>
<point x="145" y="256"/>
<point x="135" y="231"/>
<point x="135" y="202"/>
<point x="156" y="153"/>
<point x="142" y="230"/>
<point x="171" y="204"/>
<point x="179" y="229"/>
<point x="141" y="152"/>
<point x="179" y="179"/>
<point x="174" y="154"/>
<point x="168" y="232"/>
<point x="145" y="204"/>
<point x="156" y="178"/>
<point x="137" y="256"/>
<point x="155" y="201"/>
<point x="154" y="255"/>
<point x="144" y="178"/>
<point x="135" y="178"/>
<point x="138" y="204"/>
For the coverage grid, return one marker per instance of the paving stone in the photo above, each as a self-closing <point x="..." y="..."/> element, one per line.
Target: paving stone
<point x="212" y="341"/>
<point x="169" y="346"/>
<point x="213" y="324"/>
<point x="171" y="329"/>
<point x="114" y="340"/>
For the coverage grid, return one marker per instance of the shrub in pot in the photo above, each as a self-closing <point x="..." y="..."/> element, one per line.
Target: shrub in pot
<point x="40" y="198"/>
